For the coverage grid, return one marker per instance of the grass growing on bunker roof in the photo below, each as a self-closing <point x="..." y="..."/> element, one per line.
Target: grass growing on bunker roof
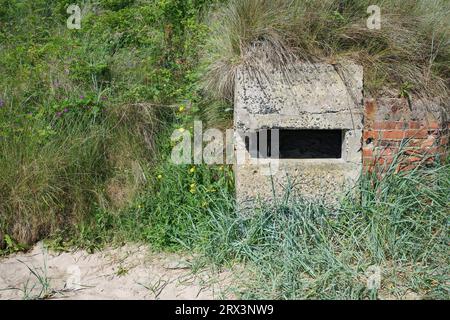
<point x="410" y="52"/>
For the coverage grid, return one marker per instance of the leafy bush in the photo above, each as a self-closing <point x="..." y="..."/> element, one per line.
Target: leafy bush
<point x="77" y="123"/>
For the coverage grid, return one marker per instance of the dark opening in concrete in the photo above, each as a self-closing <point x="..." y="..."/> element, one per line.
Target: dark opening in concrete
<point x="310" y="144"/>
<point x="299" y="144"/>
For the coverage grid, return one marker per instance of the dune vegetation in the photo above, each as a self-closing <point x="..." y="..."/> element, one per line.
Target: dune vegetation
<point x="86" y="118"/>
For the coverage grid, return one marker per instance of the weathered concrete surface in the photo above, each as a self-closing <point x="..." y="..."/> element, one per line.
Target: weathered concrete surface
<point x="308" y="96"/>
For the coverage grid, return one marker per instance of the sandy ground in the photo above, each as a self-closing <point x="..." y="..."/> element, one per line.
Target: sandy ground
<point x="129" y="272"/>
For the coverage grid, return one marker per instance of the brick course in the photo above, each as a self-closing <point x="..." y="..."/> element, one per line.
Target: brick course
<point x="411" y="135"/>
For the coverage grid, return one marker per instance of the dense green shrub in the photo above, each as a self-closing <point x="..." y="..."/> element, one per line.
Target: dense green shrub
<point x="72" y="118"/>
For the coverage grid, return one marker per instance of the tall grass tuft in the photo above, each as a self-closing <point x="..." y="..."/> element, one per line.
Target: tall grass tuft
<point x="54" y="183"/>
<point x="411" y="50"/>
<point x="298" y="249"/>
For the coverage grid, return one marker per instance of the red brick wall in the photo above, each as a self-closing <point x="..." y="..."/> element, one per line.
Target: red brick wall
<point x="410" y="134"/>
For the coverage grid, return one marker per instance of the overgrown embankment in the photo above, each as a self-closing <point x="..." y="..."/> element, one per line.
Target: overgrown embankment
<point x="86" y="116"/>
<point x="75" y="135"/>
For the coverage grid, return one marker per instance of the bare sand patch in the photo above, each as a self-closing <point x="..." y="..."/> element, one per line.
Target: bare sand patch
<point x="128" y="272"/>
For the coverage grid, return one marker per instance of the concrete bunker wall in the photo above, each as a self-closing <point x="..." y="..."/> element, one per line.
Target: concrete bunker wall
<point x="319" y="100"/>
<point x="312" y="97"/>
